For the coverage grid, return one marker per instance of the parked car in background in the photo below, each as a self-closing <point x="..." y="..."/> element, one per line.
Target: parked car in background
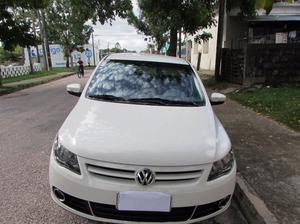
<point x="143" y="145"/>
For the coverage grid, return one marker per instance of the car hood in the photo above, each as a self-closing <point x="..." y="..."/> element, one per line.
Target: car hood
<point x="140" y="134"/>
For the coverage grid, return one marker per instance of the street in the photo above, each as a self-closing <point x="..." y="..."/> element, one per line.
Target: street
<point x="29" y="121"/>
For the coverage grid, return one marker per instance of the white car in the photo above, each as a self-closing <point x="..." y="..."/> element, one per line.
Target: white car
<point x="143" y="145"/>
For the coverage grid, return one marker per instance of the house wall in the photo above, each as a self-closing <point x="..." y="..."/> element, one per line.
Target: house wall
<point x="266" y="63"/>
<point x="236" y="33"/>
<point x="207" y="58"/>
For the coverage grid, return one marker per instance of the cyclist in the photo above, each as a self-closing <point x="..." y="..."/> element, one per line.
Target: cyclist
<point x="81" y="68"/>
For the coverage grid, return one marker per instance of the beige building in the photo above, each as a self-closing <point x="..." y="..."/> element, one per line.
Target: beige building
<point x="204" y="53"/>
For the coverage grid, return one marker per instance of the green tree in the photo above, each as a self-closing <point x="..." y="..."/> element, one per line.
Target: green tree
<point x="155" y="28"/>
<point x="102" y="11"/>
<point x="169" y="16"/>
<point x="67" y="27"/>
<point x="14" y="30"/>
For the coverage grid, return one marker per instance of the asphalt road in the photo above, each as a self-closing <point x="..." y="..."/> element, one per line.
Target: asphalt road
<point x="29" y="120"/>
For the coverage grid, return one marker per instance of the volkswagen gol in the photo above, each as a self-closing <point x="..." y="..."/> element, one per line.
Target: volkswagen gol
<point x="143" y="145"/>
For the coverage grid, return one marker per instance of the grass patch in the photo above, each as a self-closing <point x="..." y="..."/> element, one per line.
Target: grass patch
<point x="209" y="81"/>
<point x="282" y="103"/>
<point x="6" y="90"/>
<point x="39" y="74"/>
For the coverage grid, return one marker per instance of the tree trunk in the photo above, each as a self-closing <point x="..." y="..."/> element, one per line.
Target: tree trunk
<point x="159" y="47"/>
<point x="42" y="28"/>
<point x="38" y="54"/>
<point x="219" y="40"/>
<point x="36" y="46"/>
<point x="67" y="59"/>
<point x="46" y="41"/>
<point x="71" y="58"/>
<point x="30" y="59"/>
<point x="173" y="43"/>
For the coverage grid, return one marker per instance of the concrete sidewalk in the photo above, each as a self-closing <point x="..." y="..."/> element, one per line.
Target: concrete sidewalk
<point x="268" y="158"/>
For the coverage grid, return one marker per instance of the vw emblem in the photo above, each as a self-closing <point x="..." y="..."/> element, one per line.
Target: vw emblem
<point x="145" y="176"/>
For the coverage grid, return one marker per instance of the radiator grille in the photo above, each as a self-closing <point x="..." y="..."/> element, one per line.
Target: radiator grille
<point x="162" y="175"/>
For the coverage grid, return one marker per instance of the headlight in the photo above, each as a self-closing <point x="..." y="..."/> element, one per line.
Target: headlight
<point x="65" y="158"/>
<point x="222" y="167"/>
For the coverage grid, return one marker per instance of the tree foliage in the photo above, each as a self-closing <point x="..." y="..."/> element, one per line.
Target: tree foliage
<point x="102" y="11"/>
<point x="10" y="56"/>
<point x="66" y="26"/>
<point x="155" y="28"/>
<point x="13" y="29"/>
<point x="168" y="16"/>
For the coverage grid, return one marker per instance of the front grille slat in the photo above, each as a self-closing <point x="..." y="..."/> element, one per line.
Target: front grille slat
<point x="115" y="172"/>
<point x="177" y="176"/>
<point x="111" y="173"/>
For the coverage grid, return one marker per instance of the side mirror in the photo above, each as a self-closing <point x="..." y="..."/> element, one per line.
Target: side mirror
<point x="74" y="89"/>
<point x="217" y="98"/>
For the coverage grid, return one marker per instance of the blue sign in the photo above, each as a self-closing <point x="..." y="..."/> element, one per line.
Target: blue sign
<point x="55" y="50"/>
<point x="33" y="53"/>
<point x="76" y="56"/>
<point x="88" y="53"/>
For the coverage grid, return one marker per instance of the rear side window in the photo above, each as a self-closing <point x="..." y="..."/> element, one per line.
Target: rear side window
<point x="145" y="82"/>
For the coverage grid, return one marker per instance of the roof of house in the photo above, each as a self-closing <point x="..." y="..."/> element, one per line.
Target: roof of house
<point x="277" y="18"/>
<point x="147" y="57"/>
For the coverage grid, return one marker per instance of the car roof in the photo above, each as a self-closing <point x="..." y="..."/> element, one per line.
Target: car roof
<point x="147" y="58"/>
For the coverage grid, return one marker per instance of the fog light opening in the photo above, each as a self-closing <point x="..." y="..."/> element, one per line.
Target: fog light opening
<point x="59" y="194"/>
<point x="223" y="202"/>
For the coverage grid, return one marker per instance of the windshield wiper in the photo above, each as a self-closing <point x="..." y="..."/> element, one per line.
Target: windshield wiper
<point x="107" y="97"/>
<point x="165" y="102"/>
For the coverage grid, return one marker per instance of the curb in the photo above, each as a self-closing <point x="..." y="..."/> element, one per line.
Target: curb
<point x="35" y="83"/>
<point x="252" y="207"/>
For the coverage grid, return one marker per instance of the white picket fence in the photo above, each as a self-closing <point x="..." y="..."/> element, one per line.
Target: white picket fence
<point x="14" y="71"/>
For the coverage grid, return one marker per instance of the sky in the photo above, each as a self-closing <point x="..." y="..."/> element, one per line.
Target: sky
<point x="120" y="31"/>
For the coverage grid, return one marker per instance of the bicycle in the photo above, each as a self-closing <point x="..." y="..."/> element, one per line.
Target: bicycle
<point x="80" y="72"/>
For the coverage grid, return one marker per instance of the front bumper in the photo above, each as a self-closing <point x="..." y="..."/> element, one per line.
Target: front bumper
<point x="96" y="199"/>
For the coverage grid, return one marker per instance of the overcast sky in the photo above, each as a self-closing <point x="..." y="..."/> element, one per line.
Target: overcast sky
<point x="120" y="31"/>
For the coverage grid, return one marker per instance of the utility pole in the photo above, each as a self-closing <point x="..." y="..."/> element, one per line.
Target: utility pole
<point x="179" y="53"/>
<point x="93" y="49"/>
<point x="220" y="39"/>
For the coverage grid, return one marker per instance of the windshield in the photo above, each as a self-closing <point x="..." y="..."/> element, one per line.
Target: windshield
<point x="145" y="83"/>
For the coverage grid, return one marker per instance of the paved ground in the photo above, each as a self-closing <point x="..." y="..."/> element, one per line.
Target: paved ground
<point x="29" y="120"/>
<point x="268" y="156"/>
